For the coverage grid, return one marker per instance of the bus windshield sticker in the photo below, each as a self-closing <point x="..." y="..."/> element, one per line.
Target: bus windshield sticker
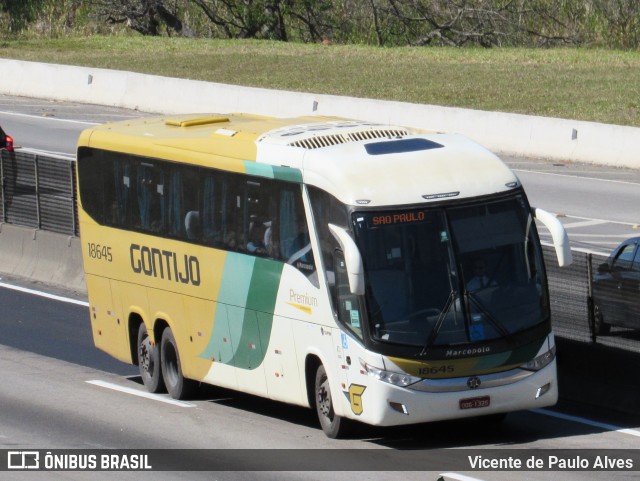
<point x="355" y="319"/>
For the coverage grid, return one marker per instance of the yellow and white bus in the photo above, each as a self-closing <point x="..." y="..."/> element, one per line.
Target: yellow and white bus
<point x="371" y="272"/>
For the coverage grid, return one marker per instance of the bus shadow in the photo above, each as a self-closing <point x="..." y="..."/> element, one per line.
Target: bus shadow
<point x="518" y="428"/>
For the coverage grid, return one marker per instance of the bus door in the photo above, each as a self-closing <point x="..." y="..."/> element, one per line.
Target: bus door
<point x="350" y="313"/>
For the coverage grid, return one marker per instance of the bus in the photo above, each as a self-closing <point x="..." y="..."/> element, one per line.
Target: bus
<point x="371" y="272"/>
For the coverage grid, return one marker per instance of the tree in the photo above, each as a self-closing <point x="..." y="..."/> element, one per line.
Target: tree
<point x="248" y="18"/>
<point x="144" y="16"/>
<point x="620" y="22"/>
<point x="21" y="12"/>
<point x="488" y="23"/>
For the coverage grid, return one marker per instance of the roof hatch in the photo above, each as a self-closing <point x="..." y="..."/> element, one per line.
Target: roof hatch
<point x="194" y="121"/>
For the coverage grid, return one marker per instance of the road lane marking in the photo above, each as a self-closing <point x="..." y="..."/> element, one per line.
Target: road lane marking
<point x="573" y="176"/>
<point x="50" y="153"/>
<point x="588" y="422"/>
<point x="607" y="221"/>
<point x="143" y="394"/>
<point x="44" y="294"/>
<point x="43" y="117"/>
<point x="614" y="237"/>
<point x="585" y="223"/>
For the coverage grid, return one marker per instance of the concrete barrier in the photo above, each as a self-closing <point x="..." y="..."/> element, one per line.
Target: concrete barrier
<point x="42" y="256"/>
<point x="511" y="134"/>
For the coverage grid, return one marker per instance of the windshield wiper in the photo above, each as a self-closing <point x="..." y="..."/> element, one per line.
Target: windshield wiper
<point x="436" y="329"/>
<point x="492" y="320"/>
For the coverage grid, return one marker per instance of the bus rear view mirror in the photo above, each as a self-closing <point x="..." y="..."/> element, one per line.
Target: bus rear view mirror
<point x="558" y="234"/>
<point x="352" y="258"/>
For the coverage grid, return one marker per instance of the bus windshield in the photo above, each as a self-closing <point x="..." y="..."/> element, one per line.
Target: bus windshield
<point x="452" y="275"/>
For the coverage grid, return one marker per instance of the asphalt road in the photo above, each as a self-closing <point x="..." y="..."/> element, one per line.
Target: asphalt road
<point x="598" y="205"/>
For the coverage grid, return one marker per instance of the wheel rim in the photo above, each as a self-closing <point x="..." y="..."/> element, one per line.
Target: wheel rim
<point x="325" y="406"/>
<point x="144" y="356"/>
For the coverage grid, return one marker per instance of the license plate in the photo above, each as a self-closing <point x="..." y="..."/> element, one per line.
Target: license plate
<point x="475" y="402"/>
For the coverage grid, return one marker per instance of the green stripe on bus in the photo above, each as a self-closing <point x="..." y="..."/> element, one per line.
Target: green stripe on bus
<point x="516" y="357"/>
<point x="251" y="346"/>
<point x="244" y="317"/>
<point x="236" y="277"/>
<point x="264" y="285"/>
<point x="287" y="173"/>
<point x="256" y="168"/>
<point x="273" y="171"/>
<point x="527" y="352"/>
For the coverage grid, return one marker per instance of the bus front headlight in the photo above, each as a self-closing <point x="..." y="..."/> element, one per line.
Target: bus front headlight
<point x="395" y="378"/>
<point x="541" y="361"/>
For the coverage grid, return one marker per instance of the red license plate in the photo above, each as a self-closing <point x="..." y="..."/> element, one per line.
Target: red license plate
<point x="475" y="402"/>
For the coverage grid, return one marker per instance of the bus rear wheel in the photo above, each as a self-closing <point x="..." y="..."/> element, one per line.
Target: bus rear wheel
<point x="334" y="426"/>
<point x="149" y="362"/>
<point x="177" y="385"/>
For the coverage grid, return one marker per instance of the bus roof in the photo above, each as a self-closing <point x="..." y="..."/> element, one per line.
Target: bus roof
<point x="360" y="163"/>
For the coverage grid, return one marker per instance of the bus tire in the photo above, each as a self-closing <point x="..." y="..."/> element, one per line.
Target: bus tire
<point x="334" y="426"/>
<point x="177" y="385"/>
<point x="149" y="362"/>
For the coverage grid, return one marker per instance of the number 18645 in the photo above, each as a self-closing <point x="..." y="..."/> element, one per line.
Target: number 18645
<point x="100" y="252"/>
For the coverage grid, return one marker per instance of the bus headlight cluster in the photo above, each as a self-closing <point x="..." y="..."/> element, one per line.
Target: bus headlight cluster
<point x="395" y="378"/>
<point x="540" y="361"/>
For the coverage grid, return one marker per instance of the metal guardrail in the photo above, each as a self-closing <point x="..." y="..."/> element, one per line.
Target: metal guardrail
<point x="572" y="305"/>
<point x="39" y="191"/>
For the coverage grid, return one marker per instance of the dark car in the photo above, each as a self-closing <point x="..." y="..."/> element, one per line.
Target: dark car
<point x="616" y="289"/>
<point x="6" y="141"/>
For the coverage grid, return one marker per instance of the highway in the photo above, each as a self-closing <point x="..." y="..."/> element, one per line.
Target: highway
<point x="597" y="204"/>
<point x="59" y="392"/>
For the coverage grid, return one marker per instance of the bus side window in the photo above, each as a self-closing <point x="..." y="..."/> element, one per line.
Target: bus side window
<point x="212" y="209"/>
<point x="122" y="184"/>
<point x="348" y="304"/>
<point x="93" y="170"/>
<point x="295" y="242"/>
<point x="144" y="195"/>
<point x="185" y="205"/>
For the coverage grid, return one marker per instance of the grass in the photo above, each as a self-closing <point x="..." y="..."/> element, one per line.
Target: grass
<point x="594" y="85"/>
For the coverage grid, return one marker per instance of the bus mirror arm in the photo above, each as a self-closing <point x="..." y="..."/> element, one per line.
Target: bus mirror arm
<point x="352" y="258"/>
<point x="558" y="234"/>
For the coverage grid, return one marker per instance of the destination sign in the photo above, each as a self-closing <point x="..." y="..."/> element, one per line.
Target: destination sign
<point x="391" y="218"/>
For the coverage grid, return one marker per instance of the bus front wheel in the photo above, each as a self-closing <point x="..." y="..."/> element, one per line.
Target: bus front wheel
<point x="178" y="386"/>
<point x="333" y="425"/>
<point x="149" y="362"/>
